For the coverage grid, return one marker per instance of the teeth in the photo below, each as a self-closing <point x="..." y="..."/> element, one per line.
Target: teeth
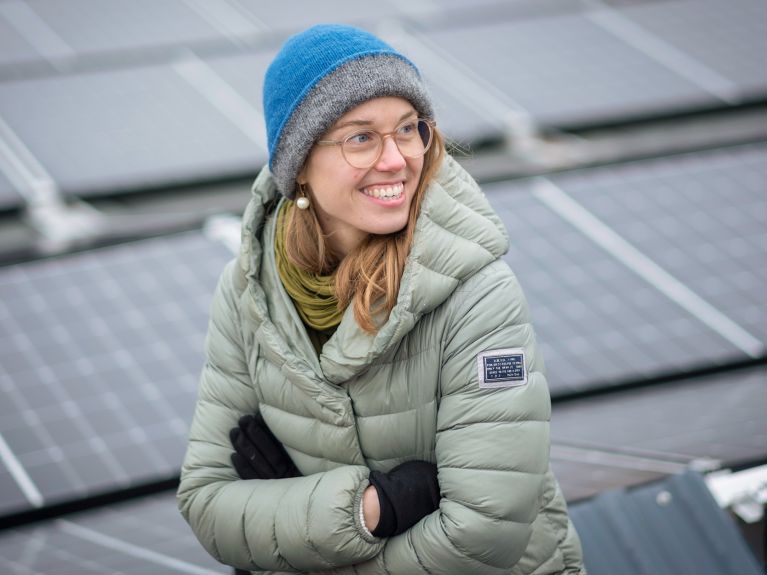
<point x="385" y="193"/>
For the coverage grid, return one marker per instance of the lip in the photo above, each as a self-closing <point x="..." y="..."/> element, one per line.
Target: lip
<point x="383" y="184"/>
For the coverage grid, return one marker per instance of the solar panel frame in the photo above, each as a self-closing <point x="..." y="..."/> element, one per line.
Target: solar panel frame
<point x="9" y="197"/>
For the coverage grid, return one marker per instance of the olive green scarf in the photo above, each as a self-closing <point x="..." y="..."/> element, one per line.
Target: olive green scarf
<point x="313" y="295"/>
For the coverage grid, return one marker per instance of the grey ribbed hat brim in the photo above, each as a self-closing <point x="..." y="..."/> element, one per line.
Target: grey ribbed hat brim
<point x="349" y="85"/>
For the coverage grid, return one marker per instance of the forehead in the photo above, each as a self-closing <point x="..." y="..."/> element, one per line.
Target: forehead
<point x="378" y="111"/>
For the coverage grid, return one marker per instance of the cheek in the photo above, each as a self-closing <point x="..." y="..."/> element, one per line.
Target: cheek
<point x="416" y="166"/>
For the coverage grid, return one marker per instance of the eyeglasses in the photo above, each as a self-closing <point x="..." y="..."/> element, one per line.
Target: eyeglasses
<point x="363" y="149"/>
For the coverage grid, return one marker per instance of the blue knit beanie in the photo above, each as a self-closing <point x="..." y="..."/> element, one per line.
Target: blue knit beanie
<point x="319" y="75"/>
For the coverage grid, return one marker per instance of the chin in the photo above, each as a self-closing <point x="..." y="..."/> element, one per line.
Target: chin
<point x="392" y="226"/>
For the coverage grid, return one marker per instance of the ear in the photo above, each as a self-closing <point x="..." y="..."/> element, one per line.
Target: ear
<point x="301" y="177"/>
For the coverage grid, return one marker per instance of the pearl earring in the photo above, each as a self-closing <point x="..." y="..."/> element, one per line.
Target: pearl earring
<point x="302" y="203"/>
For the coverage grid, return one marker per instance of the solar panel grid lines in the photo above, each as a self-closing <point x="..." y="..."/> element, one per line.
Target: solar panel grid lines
<point x="231" y="18"/>
<point x="89" y="28"/>
<point x="665" y="54"/>
<point x="224" y="98"/>
<point x="101" y="352"/>
<point x="458" y="78"/>
<point x="729" y="44"/>
<point x="559" y="201"/>
<point x="69" y="408"/>
<point x="598" y="324"/>
<point x="582" y="74"/>
<point x="621" y="186"/>
<point x="144" y="113"/>
<point x="705" y="222"/>
<point x="475" y="106"/>
<point x="146" y="535"/>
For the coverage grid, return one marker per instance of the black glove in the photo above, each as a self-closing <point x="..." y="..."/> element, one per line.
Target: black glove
<point x="406" y="494"/>
<point x="258" y="454"/>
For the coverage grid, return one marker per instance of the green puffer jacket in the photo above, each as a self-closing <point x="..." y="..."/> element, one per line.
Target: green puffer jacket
<point x="412" y="391"/>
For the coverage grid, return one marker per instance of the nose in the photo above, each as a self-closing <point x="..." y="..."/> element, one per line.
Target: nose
<point x="390" y="160"/>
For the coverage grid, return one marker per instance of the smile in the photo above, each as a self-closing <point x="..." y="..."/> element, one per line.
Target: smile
<point x="390" y="192"/>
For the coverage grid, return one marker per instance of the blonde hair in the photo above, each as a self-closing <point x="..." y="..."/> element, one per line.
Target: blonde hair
<point x="369" y="277"/>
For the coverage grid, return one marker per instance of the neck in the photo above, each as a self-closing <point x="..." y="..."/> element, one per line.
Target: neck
<point x="345" y="241"/>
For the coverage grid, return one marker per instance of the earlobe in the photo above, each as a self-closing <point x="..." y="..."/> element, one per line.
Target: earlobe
<point x="301" y="177"/>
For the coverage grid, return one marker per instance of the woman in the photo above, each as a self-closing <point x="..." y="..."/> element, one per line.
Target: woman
<point x="399" y="408"/>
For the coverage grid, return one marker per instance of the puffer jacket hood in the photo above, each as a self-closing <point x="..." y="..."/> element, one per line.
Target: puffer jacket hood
<point x="457" y="234"/>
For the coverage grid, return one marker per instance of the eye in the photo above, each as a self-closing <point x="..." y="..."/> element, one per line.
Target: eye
<point x="408" y="128"/>
<point x="359" y="139"/>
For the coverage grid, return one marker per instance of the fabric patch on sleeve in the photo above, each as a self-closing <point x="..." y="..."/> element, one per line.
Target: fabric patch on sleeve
<point x="501" y="368"/>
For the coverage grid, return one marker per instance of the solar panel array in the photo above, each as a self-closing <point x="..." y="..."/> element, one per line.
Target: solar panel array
<point x="100" y="351"/>
<point x="174" y="87"/>
<point x="635" y="272"/>
<point x="100" y="354"/>
<point x="601" y="316"/>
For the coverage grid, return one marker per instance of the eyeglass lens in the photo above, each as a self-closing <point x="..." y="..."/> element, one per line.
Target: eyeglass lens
<point x="363" y="149"/>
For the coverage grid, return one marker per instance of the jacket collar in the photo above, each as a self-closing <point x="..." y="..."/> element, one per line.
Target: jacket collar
<point x="457" y="234"/>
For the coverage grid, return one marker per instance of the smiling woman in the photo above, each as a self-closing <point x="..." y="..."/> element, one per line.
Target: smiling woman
<point x="373" y="399"/>
<point x="353" y="199"/>
<point x="361" y="198"/>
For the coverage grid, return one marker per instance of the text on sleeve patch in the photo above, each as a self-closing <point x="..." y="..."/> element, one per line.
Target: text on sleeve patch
<point x="501" y="368"/>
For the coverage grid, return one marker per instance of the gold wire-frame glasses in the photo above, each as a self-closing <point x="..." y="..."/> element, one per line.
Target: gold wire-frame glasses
<point x="364" y="148"/>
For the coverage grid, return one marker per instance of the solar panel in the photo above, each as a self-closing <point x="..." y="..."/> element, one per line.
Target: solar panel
<point x="100" y="354"/>
<point x="566" y="70"/>
<point x="89" y="26"/>
<point x="718" y="418"/>
<point x="728" y="39"/>
<point x="601" y="316"/>
<point x="134" y="128"/>
<point x="583" y="73"/>
<point x="13" y="46"/>
<point x="301" y="14"/>
<point x="144" y="536"/>
<point x="702" y="217"/>
<point x="598" y="323"/>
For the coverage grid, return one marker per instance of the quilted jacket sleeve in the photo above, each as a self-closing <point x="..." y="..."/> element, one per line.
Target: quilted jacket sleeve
<point x="492" y="445"/>
<point x="298" y="524"/>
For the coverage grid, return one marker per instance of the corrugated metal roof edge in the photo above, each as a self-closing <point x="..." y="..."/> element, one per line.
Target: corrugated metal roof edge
<point x="673" y="527"/>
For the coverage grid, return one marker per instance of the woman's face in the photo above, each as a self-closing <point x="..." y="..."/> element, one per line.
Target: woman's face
<point x="344" y="197"/>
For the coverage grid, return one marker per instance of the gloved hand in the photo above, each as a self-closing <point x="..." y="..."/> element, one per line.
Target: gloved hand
<point x="258" y="454"/>
<point x="406" y="494"/>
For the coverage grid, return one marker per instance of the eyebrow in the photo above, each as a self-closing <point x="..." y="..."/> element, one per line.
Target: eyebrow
<point x="367" y="123"/>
